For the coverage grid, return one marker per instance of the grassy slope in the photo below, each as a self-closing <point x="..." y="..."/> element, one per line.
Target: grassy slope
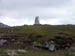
<point x="44" y="30"/>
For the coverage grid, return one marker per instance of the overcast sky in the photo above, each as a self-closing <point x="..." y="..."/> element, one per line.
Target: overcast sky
<point x="20" y="12"/>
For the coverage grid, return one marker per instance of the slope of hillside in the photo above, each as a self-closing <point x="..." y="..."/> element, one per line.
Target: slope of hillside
<point x="44" y="31"/>
<point x="27" y="36"/>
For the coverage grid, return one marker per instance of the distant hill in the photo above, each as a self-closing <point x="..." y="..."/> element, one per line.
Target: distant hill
<point x="3" y="25"/>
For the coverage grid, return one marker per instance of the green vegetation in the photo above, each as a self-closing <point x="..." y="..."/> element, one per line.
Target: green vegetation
<point x="31" y="52"/>
<point x="38" y="32"/>
<point x="44" y="31"/>
<point x="36" y="35"/>
<point x="49" y="31"/>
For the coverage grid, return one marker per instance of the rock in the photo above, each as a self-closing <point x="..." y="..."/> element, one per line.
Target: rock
<point x="2" y="41"/>
<point x="11" y="52"/>
<point x="51" y="46"/>
<point x="23" y="51"/>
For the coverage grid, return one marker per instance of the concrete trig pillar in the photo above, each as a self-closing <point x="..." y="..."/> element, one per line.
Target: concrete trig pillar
<point x="37" y="20"/>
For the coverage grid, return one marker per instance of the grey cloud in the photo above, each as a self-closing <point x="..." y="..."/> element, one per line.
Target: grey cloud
<point x="69" y="21"/>
<point x="28" y="9"/>
<point x="14" y="4"/>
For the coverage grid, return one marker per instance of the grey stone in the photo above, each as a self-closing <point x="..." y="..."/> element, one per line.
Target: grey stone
<point x="2" y="41"/>
<point x="50" y="45"/>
